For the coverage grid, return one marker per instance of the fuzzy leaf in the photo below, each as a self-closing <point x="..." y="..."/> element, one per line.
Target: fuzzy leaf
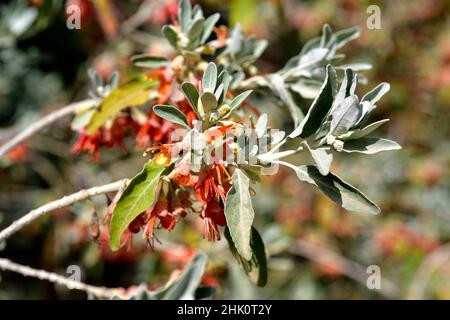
<point x="359" y="133"/>
<point x="137" y="197"/>
<point x="207" y="102"/>
<point x="210" y="22"/>
<point x="238" y="100"/>
<point x="209" y="78"/>
<point x="345" y="116"/>
<point x="256" y="268"/>
<point x="239" y="213"/>
<point x="172" y="114"/>
<point x="170" y="34"/>
<point x="337" y="190"/>
<point x="319" y="108"/>
<point x="191" y="94"/>
<point x="131" y="94"/>
<point x="370" y="145"/>
<point x="147" y="61"/>
<point x="322" y="159"/>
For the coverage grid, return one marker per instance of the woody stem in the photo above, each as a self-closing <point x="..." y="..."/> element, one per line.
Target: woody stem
<point x="44" y="122"/>
<point x="63" y="202"/>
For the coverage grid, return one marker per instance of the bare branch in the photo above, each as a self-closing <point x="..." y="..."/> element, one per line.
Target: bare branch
<point x="45" y="121"/>
<point x="63" y="202"/>
<point x="99" y="292"/>
<point x="351" y="269"/>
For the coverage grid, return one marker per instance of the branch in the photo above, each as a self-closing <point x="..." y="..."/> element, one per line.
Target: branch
<point x="45" y="121"/>
<point x="63" y="202"/>
<point x="351" y="269"/>
<point x="100" y="292"/>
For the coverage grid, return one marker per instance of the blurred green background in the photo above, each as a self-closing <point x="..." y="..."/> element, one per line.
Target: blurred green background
<point x="316" y="250"/>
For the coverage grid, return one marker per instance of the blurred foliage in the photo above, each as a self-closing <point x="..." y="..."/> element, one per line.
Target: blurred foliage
<point x="45" y="66"/>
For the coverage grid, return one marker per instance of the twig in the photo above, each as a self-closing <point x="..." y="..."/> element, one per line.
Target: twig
<point x="351" y="269"/>
<point x="141" y="16"/>
<point x="99" y="292"/>
<point x="63" y="202"/>
<point x="45" y="121"/>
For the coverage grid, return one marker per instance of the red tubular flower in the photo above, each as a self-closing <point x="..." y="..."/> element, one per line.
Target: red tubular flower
<point x="154" y="130"/>
<point x="211" y="189"/>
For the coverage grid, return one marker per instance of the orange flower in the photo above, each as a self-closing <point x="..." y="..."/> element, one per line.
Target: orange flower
<point x="161" y="153"/>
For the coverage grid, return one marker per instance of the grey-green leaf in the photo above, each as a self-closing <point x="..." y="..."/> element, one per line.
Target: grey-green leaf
<point x="256" y="268"/>
<point x="337" y="190"/>
<point x="239" y="213"/>
<point x="191" y="94"/>
<point x="207" y="102"/>
<point x="171" y="35"/>
<point x="146" y="61"/>
<point x="209" y="78"/>
<point x="322" y="158"/>
<point x="370" y="145"/>
<point x="238" y="100"/>
<point x="345" y="115"/>
<point x="189" y="280"/>
<point x="319" y="107"/>
<point x="359" y="133"/>
<point x="184" y="14"/>
<point x="376" y="93"/>
<point x="210" y="22"/>
<point x="137" y="197"/>
<point x="172" y="114"/>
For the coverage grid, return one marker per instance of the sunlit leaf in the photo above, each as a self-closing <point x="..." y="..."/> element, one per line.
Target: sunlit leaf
<point x="136" y="198"/>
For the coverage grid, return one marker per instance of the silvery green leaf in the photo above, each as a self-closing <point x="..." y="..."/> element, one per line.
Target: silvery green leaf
<point x="375" y="94"/>
<point x="312" y="57"/>
<point x="307" y="88"/>
<point x="147" y="61"/>
<point x="345" y="115"/>
<point x="239" y="213"/>
<point x="196" y="29"/>
<point x="171" y="35"/>
<point x="95" y="78"/>
<point x="191" y="94"/>
<point x="197" y="12"/>
<point x="259" y="48"/>
<point x="278" y="86"/>
<point x="236" y="38"/>
<point x="184" y="14"/>
<point x="344" y="89"/>
<point x="337" y="190"/>
<point x="256" y="268"/>
<point x="113" y="80"/>
<point x="172" y="114"/>
<point x="346" y="35"/>
<point x="322" y="158"/>
<point x="366" y="110"/>
<point x="311" y="44"/>
<point x="209" y="78"/>
<point x="327" y="33"/>
<point x="184" y="287"/>
<point x="261" y="125"/>
<point x="219" y="91"/>
<point x="207" y="102"/>
<point x="237" y="101"/>
<point x="319" y="108"/>
<point x="370" y="145"/>
<point x="210" y="22"/>
<point x="359" y="133"/>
